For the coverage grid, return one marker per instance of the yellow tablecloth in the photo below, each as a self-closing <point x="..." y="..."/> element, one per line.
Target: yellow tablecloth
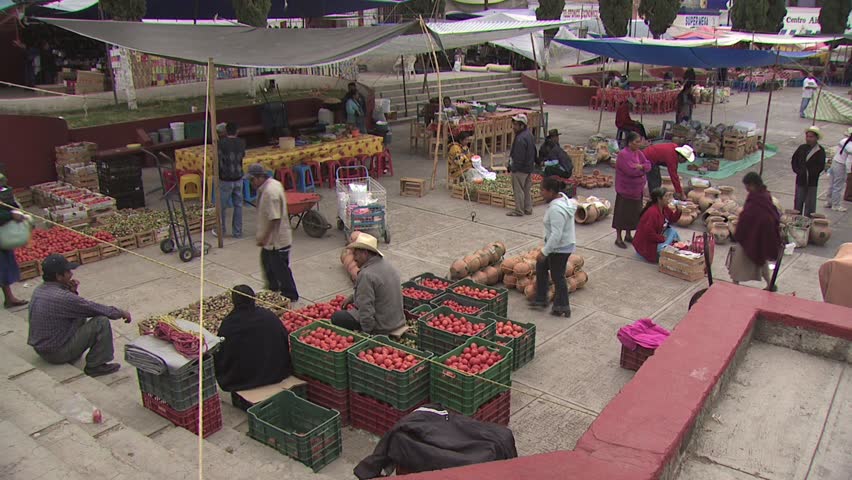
<point x="274" y="158"/>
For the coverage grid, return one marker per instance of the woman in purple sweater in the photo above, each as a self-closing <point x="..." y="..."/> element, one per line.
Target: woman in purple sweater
<point x="630" y="169"/>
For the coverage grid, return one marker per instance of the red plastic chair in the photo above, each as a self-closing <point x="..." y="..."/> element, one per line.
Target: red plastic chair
<point x="284" y="175"/>
<point x="330" y="167"/>
<point x="349" y="162"/>
<point x="383" y="161"/>
<point x="316" y="168"/>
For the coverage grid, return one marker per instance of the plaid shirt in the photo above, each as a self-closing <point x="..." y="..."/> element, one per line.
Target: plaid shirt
<point x="53" y="311"/>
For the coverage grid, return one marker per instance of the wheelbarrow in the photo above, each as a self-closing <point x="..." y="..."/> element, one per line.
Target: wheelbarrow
<point x="303" y="208"/>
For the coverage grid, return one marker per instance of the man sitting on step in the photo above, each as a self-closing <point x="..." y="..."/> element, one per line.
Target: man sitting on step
<point x="256" y="350"/>
<point x="63" y="325"/>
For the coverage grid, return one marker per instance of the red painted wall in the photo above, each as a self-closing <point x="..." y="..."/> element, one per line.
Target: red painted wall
<point x="560" y="93"/>
<point x="12" y="58"/>
<point x="28" y="144"/>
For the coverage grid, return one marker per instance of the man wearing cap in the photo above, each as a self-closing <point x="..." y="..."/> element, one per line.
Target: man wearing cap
<point x="521" y="163"/>
<point x="623" y="120"/>
<point x="273" y="235"/>
<point x="808" y="163"/>
<point x="378" y="292"/>
<point x="554" y="158"/>
<point x="670" y="155"/>
<point x="63" y="325"/>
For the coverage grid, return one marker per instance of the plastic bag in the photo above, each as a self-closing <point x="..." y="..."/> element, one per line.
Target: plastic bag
<point x="14" y="234"/>
<point x="81" y="410"/>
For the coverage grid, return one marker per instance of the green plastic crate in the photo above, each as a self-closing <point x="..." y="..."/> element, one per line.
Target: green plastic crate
<point x="415" y="313"/>
<point x="523" y="347"/>
<point x="297" y="428"/>
<point x="401" y="390"/>
<point x="441" y="341"/>
<point x="409" y="303"/>
<point x="462" y="300"/>
<point x="327" y="367"/>
<point x="498" y="304"/>
<point x="465" y="393"/>
<point x="180" y="391"/>
<point x="423" y="276"/>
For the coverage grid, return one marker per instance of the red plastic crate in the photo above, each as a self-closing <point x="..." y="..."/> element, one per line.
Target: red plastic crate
<point x="498" y="410"/>
<point x="188" y="419"/>
<point x="374" y="416"/>
<point x="327" y="396"/>
<point x="634" y="359"/>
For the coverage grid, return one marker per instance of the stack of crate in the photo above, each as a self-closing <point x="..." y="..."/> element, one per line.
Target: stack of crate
<point x="174" y="396"/>
<point x="73" y="153"/>
<point x="734" y="143"/>
<point x="82" y="175"/>
<point x="121" y="179"/>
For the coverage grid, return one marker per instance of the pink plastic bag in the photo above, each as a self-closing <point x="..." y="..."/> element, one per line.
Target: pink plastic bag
<point x="643" y="332"/>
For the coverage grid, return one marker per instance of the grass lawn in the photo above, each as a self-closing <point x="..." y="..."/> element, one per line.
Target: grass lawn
<point x="164" y="108"/>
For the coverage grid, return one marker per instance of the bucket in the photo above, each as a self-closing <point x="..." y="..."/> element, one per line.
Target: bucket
<point x="287" y="143"/>
<point x="385" y="105"/>
<point x="165" y="135"/>
<point x="178" y="132"/>
<point x="155" y="137"/>
<point x="325" y="117"/>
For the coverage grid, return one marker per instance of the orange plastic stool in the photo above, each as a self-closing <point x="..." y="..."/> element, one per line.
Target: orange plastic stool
<point x="284" y="174"/>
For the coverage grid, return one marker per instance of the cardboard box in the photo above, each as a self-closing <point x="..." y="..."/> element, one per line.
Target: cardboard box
<point x="684" y="267"/>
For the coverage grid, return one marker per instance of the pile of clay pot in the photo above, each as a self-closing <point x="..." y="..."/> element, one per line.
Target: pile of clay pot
<point x="816" y="229"/>
<point x="591" y="209"/>
<point x="717" y="208"/>
<point x="519" y="273"/>
<point x="348" y="259"/>
<point x="481" y="266"/>
<point x="595" y="180"/>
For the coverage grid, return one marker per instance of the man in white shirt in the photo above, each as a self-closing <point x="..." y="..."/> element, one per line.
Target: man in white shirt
<point x="841" y="166"/>
<point x="809" y="86"/>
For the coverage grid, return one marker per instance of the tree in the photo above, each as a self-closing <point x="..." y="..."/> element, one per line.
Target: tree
<point x="761" y="16"/>
<point x="129" y="10"/>
<point x="252" y="12"/>
<point x="425" y="8"/>
<point x="659" y="14"/>
<point x="550" y="10"/>
<point x="615" y="15"/>
<point x="833" y="16"/>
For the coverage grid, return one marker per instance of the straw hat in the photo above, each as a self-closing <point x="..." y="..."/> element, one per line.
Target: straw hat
<point x="367" y="242"/>
<point x="520" y="118"/>
<point x="686" y="152"/>
<point x="815" y="130"/>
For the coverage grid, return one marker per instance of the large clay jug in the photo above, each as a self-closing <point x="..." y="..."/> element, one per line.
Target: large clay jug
<point x="577" y="261"/>
<point x="705" y="202"/>
<point x="582" y="278"/>
<point x="732" y="227"/>
<point x="720" y="232"/>
<point x="789" y="214"/>
<point x="587" y="213"/>
<point x="695" y="194"/>
<point x="709" y="221"/>
<point x="727" y="194"/>
<point x="820" y="232"/>
<point x="686" y="219"/>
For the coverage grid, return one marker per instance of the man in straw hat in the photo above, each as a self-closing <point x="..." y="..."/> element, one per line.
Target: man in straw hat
<point x="378" y="294"/>
<point x="554" y="158"/>
<point x="670" y="155"/>
<point x="521" y="163"/>
<point x="841" y="167"/>
<point x="273" y="235"/>
<point x="808" y="163"/>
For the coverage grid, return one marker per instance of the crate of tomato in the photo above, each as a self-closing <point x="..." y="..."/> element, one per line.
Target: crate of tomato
<point x="471" y="375"/>
<point x="318" y="350"/>
<point x="520" y="337"/>
<point x="443" y="329"/>
<point x="432" y="282"/>
<point x="390" y="372"/>
<point x="460" y="303"/>
<point x="495" y="298"/>
<point x="413" y="295"/>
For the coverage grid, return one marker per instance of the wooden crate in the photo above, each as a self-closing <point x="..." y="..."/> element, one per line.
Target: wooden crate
<point x="412" y="187"/>
<point x="483" y="197"/>
<point x="498" y="200"/>
<point x="127" y="243"/>
<point x="24" y="196"/>
<point x="31" y="269"/>
<point x="108" y="250"/>
<point x="194" y="225"/>
<point x="461" y="193"/>
<point x="684" y="268"/>
<point x="90" y="255"/>
<point x="735" y="153"/>
<point x="145" y="238"/>
<point x="709" y="148"/>
<point x="73" y="256"/>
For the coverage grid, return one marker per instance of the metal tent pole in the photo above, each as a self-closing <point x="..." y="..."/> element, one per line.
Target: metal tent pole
<point x="538" y="82"/>
<point x="600" y="104"/>
<point x="211" y="88"/>
<point x="766" y="119"/>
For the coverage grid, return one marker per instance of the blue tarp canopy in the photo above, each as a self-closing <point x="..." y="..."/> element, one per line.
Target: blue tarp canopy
<point x="668" y="54"/>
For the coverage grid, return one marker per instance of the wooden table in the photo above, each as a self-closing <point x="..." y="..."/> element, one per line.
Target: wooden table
<point x="273" y="158"/>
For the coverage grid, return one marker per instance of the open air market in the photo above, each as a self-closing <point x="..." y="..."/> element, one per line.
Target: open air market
<point x="505" y="239"/>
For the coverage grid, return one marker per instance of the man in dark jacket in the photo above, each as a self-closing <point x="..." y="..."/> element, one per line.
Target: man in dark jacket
<point x="554" y="158"/>
<point x="808" y="163"/>
<point x="232" y="150"/>
<point x="256" y="349"/>
<point x="521" y="163"/>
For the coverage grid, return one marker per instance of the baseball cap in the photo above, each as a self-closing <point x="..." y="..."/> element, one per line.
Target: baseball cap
<point x="54" y="264"/>
<point x="521" y="118"/>
<point x="255" y="170"/>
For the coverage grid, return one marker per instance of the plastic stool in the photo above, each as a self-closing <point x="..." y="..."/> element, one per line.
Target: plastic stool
<point x="247" y="196"/>
<point x="304" y="179"/>
<point x="331" y="167"/>
<point x="384" y="162"/>
<point x="284" y="174"/>
<point x="316" y="171"/>
<point x="364" y="160"/>
<point x="349" y="162"/>
<point x="190" y="186"/>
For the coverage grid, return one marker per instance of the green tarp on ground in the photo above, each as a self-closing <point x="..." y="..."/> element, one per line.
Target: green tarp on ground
<point x="832" y="108"/>
<point x="728" y="168"/>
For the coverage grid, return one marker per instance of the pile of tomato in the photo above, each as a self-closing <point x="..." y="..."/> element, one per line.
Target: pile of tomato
<point x="509" y="329"/>
<point x="434" y="283"/>
<point x="456" y="325"/>
<point x="477" y="293"/>
<point x="457" y="307"/>
<point x="296" y="319"/>
<point x="416" y="294"/>
<point x="389" y="358"/>
<point x="328" y="340"/>
<point x="473" y="359"/>
<point x="54" y="240"/>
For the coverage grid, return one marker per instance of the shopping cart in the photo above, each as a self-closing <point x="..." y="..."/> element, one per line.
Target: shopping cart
<point x="361" y="203"/>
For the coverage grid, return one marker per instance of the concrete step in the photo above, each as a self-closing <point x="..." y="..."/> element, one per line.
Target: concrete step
<point x="398" y="90"/>
<point x="23" y="458"/>
<point x="530" y="101"/>
<point x="481" y="96"/>
<point x="432" y="82"/>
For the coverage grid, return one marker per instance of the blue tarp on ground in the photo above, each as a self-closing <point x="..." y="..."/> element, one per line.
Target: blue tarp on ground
<point x="682" y="56"/>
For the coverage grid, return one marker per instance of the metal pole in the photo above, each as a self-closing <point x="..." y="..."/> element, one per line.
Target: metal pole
<point x="404" y="89"/>
<point x="642" y="79"/>
<point x="713" y="101"/>
<point x="766" y="120"/>
<point x="816" y="105"/>
<point x="581" y="23"/>
<point x="819" y="93"/>
<point x="109" y="61"/>
<point x="600" y="105"/>
<point x="211" y="88"/>
<point x="440" y="125"/>
<point x="750" y="47"/>
<point x="538" y="81"/>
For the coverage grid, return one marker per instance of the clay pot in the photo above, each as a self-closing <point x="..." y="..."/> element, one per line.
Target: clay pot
<point x="720" y="232"/>
<point x="820" y="232"/>
<point x="458" y="270"/>
<point x="718" y="205"/>
<point x="705" y="203"/>
<point x="709" y="221"/>
<point x="501" y="248"/>
<point x="685" y="220"/>
<point x="587" y="213"/>
<point x="572" y="284"/>
<point x="509" y="280"/>
<point x="695" y="194"/>
<point x="732" y="227"/>
<point x="582" y="278"/>
<point x="577" y="261"/>
<point x="712" y="193"/>
<point x="529" y="291"/>
<point x="818" y="215"/>
<point x="726" y="193"/>
<point x="788" y="215"/>
<point x="508" y="265"/>
<point x="569" y="270"/>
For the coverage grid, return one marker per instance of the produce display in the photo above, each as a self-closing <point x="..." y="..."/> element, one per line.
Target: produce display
<point x="475" y="293"/>
<point x="456" y="325"/>
<point x="56" y="240"/>
<point x="509" y="329"/>
<point x="497" y="192"/>
<point x="389" y="358"/>
<point x="595" y="180"/>
<point x="457" y="307"/>
<point x="481" y="265"/>
<point x="417" y="294"/>
<point x="474" y="359"/>
<point x="434" y="283"/>
<point x="296" y="319"/>
<point x="327" y="340"/>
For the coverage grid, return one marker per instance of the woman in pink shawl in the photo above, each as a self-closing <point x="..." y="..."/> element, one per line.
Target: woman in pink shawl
<point x="631" y="166"/>
<point x="758" y="234"/>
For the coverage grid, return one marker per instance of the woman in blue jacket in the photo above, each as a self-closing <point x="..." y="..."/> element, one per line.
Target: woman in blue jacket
<point x="559" y="243"/>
